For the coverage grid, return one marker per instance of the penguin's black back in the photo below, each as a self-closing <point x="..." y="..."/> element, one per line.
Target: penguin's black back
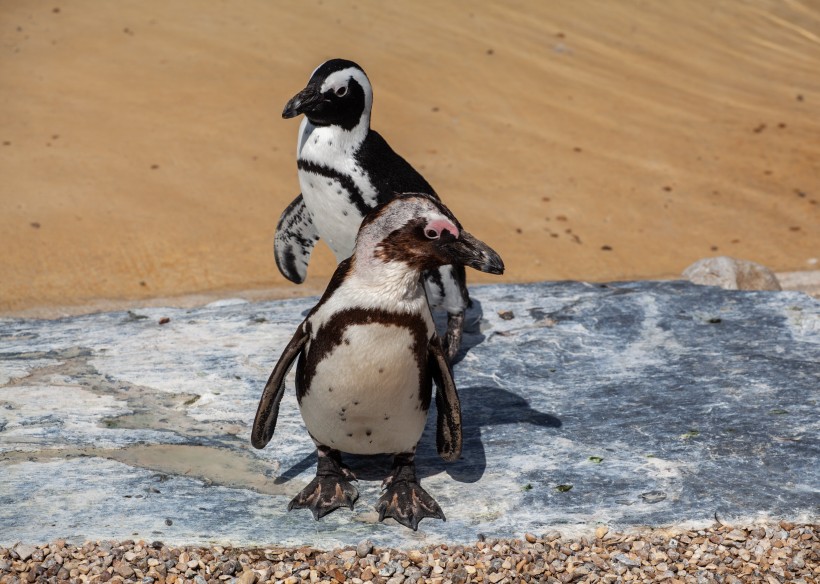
<point x="389" y="173"/>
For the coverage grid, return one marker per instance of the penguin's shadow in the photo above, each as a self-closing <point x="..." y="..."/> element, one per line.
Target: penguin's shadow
<point x="483" y="409"/>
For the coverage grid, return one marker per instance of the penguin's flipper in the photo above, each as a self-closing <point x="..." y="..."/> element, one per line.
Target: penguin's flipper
<point x="448" y="423"/>
<point x="268" y="411"/>
<point x="294" y="240"/>
<point x="446" y="288"/>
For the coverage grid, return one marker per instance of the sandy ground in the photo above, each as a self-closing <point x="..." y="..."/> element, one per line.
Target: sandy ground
<point x="143" y="157"/>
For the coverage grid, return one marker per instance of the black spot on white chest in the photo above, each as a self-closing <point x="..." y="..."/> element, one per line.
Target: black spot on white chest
<point x="367" y="394"/>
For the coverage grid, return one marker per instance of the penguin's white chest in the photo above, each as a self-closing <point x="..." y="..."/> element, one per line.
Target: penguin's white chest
<point x="364" y="397"/>
<point x="335" y="188"/>
<point x="336" y="219"/>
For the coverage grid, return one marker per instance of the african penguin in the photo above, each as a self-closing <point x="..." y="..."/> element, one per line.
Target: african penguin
<point x="346" y="169"/>
<point x="368" y="354"/>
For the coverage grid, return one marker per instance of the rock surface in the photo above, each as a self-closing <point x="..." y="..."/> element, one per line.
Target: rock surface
<point x="731" y="274"/>
<point x="623" y="405"/>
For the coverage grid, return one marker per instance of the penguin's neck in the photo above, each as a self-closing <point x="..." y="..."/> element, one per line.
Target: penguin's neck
<point x="393" y="283"/>
<point x="329" y="143"/>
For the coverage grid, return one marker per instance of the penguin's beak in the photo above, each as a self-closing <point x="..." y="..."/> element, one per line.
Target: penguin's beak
<point x="303" y="102"/>
<point x="472" y="252"/>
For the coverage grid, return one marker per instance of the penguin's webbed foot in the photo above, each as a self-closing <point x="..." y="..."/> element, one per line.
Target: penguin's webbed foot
<point x="405" y="501"/>
<point x="452" y="338"/>
<point x="330" y="489"/>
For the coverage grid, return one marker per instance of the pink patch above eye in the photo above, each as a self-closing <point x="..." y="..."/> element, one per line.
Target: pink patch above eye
<point x="434" y="229"/>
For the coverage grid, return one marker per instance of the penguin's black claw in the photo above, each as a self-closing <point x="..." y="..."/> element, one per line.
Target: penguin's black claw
<point x="452" y="338"/>
<point x="330" y="489"/>
<point x="406" y="501"/>
<point x="324" y="495"/>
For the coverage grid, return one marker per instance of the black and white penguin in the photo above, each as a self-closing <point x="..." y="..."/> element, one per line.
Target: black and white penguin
<point x="368" y="353"/>
<point x="345" y="170"/>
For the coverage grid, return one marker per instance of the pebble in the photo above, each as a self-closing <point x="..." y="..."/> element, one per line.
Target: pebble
<point x="416" y="556"/>
<point x="626" y="560"/>
<point x="364" y="548"/>
<point x="772" y="554"/>
<point x="124" y="570"/>
<point x="24" y="552"/>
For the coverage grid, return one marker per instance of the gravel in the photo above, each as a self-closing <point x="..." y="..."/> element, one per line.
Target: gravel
<point x="770" y="554"/>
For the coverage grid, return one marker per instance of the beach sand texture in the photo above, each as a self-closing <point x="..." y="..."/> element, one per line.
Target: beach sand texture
<point x="142" y="152"/>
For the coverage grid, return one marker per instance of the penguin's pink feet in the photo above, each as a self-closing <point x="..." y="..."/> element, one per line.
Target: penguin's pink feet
<point x="404" y="500"/>
<point x="330" y="489"/>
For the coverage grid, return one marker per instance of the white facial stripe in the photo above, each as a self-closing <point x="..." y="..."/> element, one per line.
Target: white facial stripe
<point x="341" y="79"/>
<point x="397" y="215"/>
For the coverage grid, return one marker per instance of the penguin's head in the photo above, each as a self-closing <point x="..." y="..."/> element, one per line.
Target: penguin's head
<point x="416" y="229"/>
<point x="338" y="94"/>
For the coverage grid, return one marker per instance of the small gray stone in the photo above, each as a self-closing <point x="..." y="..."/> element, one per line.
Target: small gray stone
<point x="24" y="551"/>
<point x="731" y="274"/>
<point x="798" y="562"/>
<point x="627" y="561"/>
<point x="229" y="568"/>
<point x="364" y="548"/>
<point x="387" y="570"/>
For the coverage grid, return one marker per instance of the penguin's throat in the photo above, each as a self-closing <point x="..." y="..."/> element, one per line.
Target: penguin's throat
<point x="329" y="142"/>
<point x="394" y="281"/>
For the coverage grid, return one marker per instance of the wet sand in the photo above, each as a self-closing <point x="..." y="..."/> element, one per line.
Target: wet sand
<point x="143" y="157"/>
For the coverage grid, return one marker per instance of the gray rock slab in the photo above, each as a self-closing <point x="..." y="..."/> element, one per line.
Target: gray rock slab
<point x="627" y="404"/>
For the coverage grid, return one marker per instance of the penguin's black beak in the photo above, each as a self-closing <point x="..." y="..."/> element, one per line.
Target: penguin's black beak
<point x="472" y="252"/>
<point x="305" y="101"/>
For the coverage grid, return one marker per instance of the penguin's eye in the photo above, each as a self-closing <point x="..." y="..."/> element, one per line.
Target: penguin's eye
<point x="440" y="228"/>
<point x="341" y="91"/>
